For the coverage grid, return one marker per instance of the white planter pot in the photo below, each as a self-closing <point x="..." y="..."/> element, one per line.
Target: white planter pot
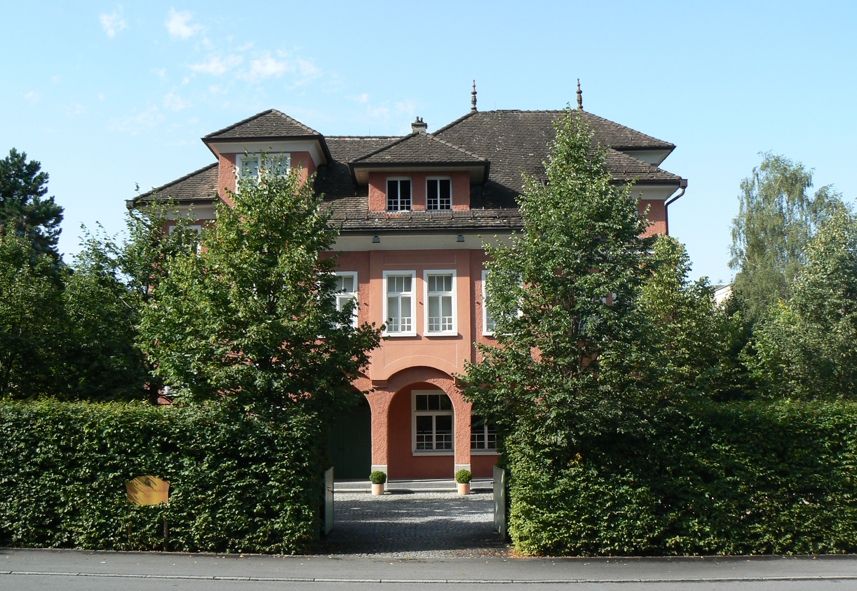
<point x="377" y="489"/>
<point x="463" y="488"/>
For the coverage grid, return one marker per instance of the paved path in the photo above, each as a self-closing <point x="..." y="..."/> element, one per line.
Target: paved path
<point x="417" y="525"/>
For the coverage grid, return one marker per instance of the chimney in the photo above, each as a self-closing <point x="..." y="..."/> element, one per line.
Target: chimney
<point x="419" y="126"/>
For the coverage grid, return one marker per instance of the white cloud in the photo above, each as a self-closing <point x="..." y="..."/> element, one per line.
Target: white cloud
<point x="267" y="67"/>
<point x="138" y="122"/>
<point x="216" y="66"/>
<point x="112" y="23"/>
<point x="407" y="107"/>
<point x="307" y="69"/>
<point x="32" y="97"/>
<point x="174" y="102"/>
<point x="179" y="24"/>
<point x="160" y="73"/>
<point x="362" y="98"/>
<point x="75" y="109"/>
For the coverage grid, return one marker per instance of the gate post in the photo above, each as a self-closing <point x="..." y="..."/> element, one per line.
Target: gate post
<point x="500" y="501"/>
<point x="328" y="500"/>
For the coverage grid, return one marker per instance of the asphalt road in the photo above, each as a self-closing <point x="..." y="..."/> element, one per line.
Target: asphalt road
<point x="68" y="570"/>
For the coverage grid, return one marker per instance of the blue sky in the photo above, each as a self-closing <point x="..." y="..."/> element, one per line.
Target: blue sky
<point x="110" y="96"/>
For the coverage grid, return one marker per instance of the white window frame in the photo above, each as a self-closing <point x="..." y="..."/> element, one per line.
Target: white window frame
<point x="413" y="294"/>
<point x="343" y="296"/>
<point x="482" y="450"/>
<point x="283" y="157"/>
<point x="451" y="199"/>
<point x="428" y="294"/>
<point x="485" y="331"/>
<point x="434" y="413"/>
<point x="398" y="179"/>
<point x="195" y="227"/>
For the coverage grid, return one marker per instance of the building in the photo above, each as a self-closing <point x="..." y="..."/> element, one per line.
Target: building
<point x="413" y="214"/>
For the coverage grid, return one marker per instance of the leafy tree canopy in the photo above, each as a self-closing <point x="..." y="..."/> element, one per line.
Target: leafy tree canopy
<point x="572" y="362"/>
<point x="694" y="338"/>
<point x="777" y="217"/>
<point x="24" y="209"/>
<point x="31" y="320"/>
<point x="807" y="346"/>
<point x="251" y="319"/>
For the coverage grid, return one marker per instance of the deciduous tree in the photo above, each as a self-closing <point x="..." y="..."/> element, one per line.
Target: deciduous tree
<point x="572" y="363"/>
<point x="777" y="217"/>
<point x="807" y="347"/>
<point x="251" y="319"/>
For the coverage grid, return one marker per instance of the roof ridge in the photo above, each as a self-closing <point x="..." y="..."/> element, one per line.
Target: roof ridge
<point x="384" y="147"/>
<point x="177" y="181"/>
<point x="652" y="167"/>
<point x="295" y="121"/>
<point x="362" y="137"/>
<point x="451" y="145"/>
<point x="651" y="137"/>
<point x="234" y="125"/>
<point x="257" y="116"/>
<point x="456" y="122"/>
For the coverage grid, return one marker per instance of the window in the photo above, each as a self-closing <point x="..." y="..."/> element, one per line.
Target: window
<point x="399" y="194"/>
<point x="256" y="166"/>
<point x="346" y="291"/>
<point x="432" y="421"/>
<point x="483" y="434"/>
<point x="438" y="194"/>
<point x="488" y="322"/>
<point x="399" y="303"/>
<point x="191" y="232"/>
<point x="440" y="302"/>
<point x="190" y="228"/>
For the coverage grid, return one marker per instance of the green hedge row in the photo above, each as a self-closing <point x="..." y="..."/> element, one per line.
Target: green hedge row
<point x="734" y="478"/>
<point x="235" y="485"/>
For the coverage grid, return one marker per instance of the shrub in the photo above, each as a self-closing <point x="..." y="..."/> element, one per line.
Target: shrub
<point x="237" y="485"/>
<point x="727" y="478"/>
<point x="463" y="476"/>
<point x="377" y="477"/>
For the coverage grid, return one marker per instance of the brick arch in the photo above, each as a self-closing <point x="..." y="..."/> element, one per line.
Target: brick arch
<point x="403" y="462"/>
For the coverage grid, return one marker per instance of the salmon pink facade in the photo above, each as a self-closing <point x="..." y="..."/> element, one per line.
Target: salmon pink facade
<point x="414" y="214"/>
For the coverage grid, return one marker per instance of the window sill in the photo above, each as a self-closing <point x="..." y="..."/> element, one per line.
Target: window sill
<point x="453" y="333"/>
<point x="388" y="335"/>
<point x="432" y="453"/>
<point x="484" y="452"/>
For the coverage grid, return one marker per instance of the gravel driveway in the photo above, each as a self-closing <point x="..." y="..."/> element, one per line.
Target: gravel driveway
<point x="416" y="525"/>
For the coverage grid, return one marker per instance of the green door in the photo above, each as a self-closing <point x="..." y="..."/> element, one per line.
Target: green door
<point x="350" y="443"/>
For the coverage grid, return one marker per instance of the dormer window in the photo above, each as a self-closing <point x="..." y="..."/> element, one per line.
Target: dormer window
<point x="398" y="194"/>
<point x="438" y="194"/>
<point x="257" y="166"/>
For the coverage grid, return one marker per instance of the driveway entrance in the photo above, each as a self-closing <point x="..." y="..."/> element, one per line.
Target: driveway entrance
<point x="417" y="524"/>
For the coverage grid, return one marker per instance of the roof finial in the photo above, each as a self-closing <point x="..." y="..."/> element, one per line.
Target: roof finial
<point x="579" y="96"/>
<point x="473" y="98"/>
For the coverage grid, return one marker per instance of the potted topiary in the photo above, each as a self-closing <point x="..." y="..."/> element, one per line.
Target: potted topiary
<point x="377" y="478"/>
<point x="462" y="478"/>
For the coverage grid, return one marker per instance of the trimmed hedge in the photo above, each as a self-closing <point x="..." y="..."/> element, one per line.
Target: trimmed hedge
<point x="235" y="485"/>
<point x="733" y="478"/>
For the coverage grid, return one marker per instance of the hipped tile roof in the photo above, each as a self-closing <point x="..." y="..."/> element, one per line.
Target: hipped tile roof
<point x="267" y="124"/>
<point x="515" y="143"/>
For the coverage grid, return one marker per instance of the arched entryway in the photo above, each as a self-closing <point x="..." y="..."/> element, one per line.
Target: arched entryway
<point x="421" y="433"/>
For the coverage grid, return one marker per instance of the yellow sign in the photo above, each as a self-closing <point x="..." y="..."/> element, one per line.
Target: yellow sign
<point x="148" y="490"/>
